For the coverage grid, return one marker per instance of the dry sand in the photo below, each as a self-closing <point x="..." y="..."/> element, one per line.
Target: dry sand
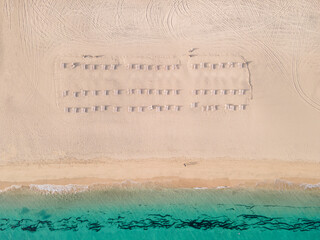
<point x="67" y="69"/>
<point x="185" y="173"/>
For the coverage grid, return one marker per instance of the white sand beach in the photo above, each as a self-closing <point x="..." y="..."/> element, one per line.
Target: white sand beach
<point x="104" y="91"/>
<point x="169" y="173"/>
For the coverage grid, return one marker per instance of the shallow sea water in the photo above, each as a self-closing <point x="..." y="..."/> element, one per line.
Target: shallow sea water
<point x="136" y="213"/>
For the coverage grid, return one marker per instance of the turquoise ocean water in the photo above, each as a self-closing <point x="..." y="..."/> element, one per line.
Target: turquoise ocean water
<point x="133" y="213"/>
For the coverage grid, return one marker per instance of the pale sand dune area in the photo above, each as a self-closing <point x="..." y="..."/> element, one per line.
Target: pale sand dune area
<point x="135" y="89"/>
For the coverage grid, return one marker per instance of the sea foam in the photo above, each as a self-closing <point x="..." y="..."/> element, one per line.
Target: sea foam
<point x="74" y="188"/>
<point x="10" y="188"/>
<point x="50" y="188"/>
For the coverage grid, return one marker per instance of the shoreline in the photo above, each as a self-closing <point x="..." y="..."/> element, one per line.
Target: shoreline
<point x="164" y="173"/>
<point x="84" y="186"/>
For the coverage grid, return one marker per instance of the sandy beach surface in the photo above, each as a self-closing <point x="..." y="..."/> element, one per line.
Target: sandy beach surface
<point x="176" y="173"/>
<point x="182" y="93"/>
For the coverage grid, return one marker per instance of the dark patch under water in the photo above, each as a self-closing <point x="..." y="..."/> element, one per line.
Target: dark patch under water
<point x="240" y="223"/>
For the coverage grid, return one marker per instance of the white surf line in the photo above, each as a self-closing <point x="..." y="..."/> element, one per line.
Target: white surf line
<point x="58" y="189"/>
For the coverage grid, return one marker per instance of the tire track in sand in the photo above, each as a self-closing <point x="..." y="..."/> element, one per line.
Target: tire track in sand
<point x="298" y="88"/>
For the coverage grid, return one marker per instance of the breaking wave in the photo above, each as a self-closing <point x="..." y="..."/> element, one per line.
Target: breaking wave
<point x="75" y="188"/>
